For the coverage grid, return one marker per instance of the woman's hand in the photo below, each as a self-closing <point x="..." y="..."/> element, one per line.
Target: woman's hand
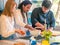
<point x="29" y="27"/>
<point x="20" y="32"/>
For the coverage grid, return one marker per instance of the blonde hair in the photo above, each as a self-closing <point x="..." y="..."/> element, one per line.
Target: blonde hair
<point x="7" y="8"/>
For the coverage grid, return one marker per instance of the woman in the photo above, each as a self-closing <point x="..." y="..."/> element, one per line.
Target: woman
<point x="21" y="14"/>
<point x="7" y="21"/>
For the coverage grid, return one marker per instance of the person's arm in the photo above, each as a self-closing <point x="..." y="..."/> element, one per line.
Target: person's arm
<point x="21" y="32"/>
<point x="34" y="19"/>
<point x="52" y="23"/>
<point x="51" y="28"/>
<point x="18" y="18"/>
<point x="29" y="27"/>
<point x="20" y="22"/>
<point x="39" y="25"/>
<point x="6" y="29"/>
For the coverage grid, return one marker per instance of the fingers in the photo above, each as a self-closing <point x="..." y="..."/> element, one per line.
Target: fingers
<point x="21" y="32"/>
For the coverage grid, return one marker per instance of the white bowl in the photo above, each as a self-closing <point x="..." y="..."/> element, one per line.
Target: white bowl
<point x="35" y="33"/>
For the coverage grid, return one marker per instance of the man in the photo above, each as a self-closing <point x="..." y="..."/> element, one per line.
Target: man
<point x="39" y="15"/>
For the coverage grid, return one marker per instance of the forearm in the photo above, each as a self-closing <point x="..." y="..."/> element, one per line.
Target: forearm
<point x="39" y="25"/>
<point x="21" y="32"/>
<point x="8" y="33"/>
<point x="29" y="27"/>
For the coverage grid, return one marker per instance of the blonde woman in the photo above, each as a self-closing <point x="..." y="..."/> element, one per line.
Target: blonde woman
<point x="7" y="21"/>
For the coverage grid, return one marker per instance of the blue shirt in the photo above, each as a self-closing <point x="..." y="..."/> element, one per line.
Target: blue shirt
<point x="39" y="16"/>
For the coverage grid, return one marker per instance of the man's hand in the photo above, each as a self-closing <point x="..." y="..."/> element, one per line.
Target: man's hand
<point x="40" y="25"/>
<point x="51" y="28"/>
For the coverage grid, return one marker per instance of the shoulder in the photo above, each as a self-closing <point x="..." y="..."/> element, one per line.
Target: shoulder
<point x="51" y="12"/>
<point x="3" y="17"/>
<point x="17" y="13"/>
<point x="37" y="9"/>
<point x="18" y="10"/>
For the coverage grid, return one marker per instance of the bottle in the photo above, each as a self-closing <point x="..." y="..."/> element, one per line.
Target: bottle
<point x="45" y="25"/>
<point x="33" y="41"/>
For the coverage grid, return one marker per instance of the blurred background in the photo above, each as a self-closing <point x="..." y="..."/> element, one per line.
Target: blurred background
<point x="37" y="3"/>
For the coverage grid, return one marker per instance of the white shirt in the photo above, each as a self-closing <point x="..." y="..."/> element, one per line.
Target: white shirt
<point x="26" y="22"/>
<point x="19" y="19"/>
<point x="7" y="26"/>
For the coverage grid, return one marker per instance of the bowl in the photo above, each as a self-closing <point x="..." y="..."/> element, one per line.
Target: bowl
<point x="35" y="33"/>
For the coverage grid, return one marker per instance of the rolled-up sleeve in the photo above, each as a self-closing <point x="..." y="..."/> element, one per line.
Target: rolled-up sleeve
<point x="52" y="24"/>
<point x="6" y="28"/>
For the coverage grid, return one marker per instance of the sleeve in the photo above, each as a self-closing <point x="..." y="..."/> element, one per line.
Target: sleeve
<point x="52" y="24"/>
<point x="34" y="17"/>
<point x="6" y="29"/>
<point x="18" y="19"/>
